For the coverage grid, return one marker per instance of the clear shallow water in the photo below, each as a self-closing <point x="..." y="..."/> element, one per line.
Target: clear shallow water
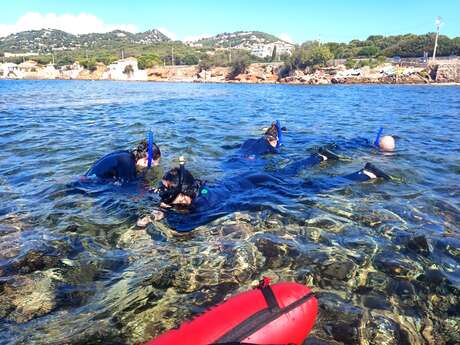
<point x="383" y="257"/>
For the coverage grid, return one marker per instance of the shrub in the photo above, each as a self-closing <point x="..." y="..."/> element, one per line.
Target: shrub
<point x="237" y="67"/>
<point x="350" y="63"/>
<point x="190" y="60"/>
<point x="148" y="61"/>
<point x="89" y="64"/>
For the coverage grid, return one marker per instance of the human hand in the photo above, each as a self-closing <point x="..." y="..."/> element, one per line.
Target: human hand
<point x="144" y="221"/>
<point x="158" y="215"/>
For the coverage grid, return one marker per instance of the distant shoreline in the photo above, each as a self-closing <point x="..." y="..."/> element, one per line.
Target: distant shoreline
<point x="234" y="83"/>
<point x="257" y="73"/>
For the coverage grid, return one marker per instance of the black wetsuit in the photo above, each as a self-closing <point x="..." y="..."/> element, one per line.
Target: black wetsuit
<point x="118" y="165"/>
<point x="247" y="192"/>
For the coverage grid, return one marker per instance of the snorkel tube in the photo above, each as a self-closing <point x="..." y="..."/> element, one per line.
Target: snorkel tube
<point x="150" y="149"/>
<point x="377" y="138"/>
<point x="280" y="134"/>
<point x="181" y="172"/>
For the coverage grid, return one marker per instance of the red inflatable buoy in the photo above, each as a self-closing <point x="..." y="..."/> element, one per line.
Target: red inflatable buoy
<point x="283" y="313"/>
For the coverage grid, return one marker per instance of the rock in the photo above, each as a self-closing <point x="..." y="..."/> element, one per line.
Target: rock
<point x="380" y="330"/>
<point x="261" y="76"/>
<point x="36" y="260"/>
<point x="376" y="302"/>
<point x="340" y="319"/>
<point x="448" y="72"/>
<point x="419" y="244"/>
<point x="27" y="297"/>
<point x="341" y="270"/>
<point x="276" y="254"/>
<point x="397" y="265"/>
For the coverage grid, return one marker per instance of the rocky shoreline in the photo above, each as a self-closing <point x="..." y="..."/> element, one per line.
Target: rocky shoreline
<point x="446" y="72"/>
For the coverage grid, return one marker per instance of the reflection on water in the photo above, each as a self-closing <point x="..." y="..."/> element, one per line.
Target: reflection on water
<point x="383" y="257"/>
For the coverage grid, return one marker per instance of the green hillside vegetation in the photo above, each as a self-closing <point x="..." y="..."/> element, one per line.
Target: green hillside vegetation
<point x="401" y="45"/>
<point x="153" y="48"/>
<point x="238" y="38"/>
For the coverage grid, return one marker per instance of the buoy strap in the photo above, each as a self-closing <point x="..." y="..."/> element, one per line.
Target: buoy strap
<point x="257" y="321"/>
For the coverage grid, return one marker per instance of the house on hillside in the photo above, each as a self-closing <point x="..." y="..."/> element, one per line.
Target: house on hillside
<point x="266" y="50"/>
<point x="262" y="50"/>
<point x="125" y="69"/>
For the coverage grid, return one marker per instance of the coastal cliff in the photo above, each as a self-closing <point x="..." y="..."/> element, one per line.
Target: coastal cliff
<point x="127" y="70"/>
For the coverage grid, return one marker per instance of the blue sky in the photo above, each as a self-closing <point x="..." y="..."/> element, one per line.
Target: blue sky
<point x="300" y="20"/>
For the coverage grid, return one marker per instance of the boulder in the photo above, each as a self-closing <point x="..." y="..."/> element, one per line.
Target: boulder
<point x="448" y="72"/>
<point x="27" y="297"/>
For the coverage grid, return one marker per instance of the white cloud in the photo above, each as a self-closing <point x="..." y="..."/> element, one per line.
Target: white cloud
<point x="76" y="24"/>
<point x="168" y="33"/>
<point x="196" y="37"/>
<point x="285" y="37"/>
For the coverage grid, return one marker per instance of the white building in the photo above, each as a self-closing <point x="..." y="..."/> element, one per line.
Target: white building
<point x="266" y="50"/>
<point x="283" y="48"/>
<point x="262" y="50"/>
<point x="8" y="55"/>
<point x="71" y="71"/>
<point x="125" y="69"/>
<point x="10" y="70"/>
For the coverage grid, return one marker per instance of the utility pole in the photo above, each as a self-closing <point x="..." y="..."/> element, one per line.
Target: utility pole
<point x="438" y="23"/>
<point x="122" y="54"/>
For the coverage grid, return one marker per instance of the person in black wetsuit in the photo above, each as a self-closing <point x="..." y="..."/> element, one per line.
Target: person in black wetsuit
<point x="267" y="144"/>
<point x="187" y="202"/>
<point x="249" y="153"/>
<point x="124" y="165"/>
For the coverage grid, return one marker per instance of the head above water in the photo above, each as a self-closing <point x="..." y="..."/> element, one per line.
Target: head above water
<point x="272" y="135"/>
<point x="179" y="188"/>
<point x="387" y="143"/>
<point x="141" y="154"/>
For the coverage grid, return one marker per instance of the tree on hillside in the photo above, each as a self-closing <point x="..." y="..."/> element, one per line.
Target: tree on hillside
<point x="369" y="51"/>
<point x="204" y="64"/>
<point x="190" y="59"/>
<point x="89" y="64"/>
<point x="148" y="61"/>
<point x="318" y="56"/>
<point x="274" y="54"/>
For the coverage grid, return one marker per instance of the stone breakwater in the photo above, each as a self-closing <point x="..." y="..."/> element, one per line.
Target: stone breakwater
<point x="443" y="72"/>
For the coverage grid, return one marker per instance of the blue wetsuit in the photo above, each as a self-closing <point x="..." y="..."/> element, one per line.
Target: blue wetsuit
<point x="247" y="157"/>
<point x="253" y="191"/>
<point x="118" y="165"/>
<point x="257" y="147"/>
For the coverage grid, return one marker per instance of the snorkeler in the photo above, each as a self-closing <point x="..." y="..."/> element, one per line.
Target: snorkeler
<point x="187" y="202"/>
<point x="385" y="143"/>
<point x="269" y="143"/>
<point x="125" y="165"/>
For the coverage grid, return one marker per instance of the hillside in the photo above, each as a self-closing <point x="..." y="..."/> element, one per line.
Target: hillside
<point x="239" y="40"/>
<point x="47" y="40"/>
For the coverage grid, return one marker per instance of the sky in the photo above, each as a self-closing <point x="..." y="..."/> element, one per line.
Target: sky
<point x="293" y="20"/>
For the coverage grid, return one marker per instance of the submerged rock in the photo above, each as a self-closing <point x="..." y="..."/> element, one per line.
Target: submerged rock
<point x="419" y="244"/>
<point x="396" y="265"/>
<point x="380" y="330"/>
<point x="26" y="297"/>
